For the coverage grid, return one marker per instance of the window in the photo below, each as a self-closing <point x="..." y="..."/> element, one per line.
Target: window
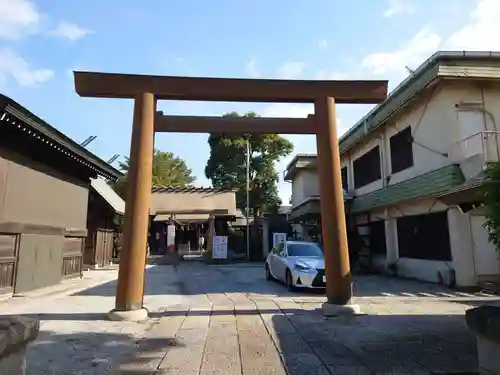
<point x="304" y="250"/>
<point x="280" y="249"/>
<point x="367" y="168"/>
<point x="424" y="237"/>
<point x="377" y="238"/>
<point x="401" y="146"/>
<point x="343" y="173"/>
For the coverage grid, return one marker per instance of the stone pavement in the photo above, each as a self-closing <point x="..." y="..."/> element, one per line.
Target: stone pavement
<point x="228" y="319"/>
<point x="234" y="322"/>
<point x="75" y="336"/>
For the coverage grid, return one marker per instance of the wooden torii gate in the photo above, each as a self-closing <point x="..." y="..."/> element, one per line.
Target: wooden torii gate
<point x="146" y="90"/>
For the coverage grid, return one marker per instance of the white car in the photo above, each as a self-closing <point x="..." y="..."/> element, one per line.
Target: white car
<point x="299" y="264"/>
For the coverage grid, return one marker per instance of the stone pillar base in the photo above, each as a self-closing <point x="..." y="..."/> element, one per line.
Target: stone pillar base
<point x="330" y="309"/>
<point x="129" y="316"/>
<point x="15" y="334"/>
<point x="484" y="322"/>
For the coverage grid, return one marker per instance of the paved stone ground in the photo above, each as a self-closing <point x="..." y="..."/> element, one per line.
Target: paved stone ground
<point x="75" y="336"/>
<point x="234" y="322"/>
<point x="230" y="320"/>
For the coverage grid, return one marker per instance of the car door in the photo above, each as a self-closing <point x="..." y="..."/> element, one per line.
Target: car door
<point x="281" y="264"/>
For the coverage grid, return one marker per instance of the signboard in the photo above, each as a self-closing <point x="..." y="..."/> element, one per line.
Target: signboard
<point x="219" y="247"/>
<point x="278" y="238"/>
<point x="170" y="236"/>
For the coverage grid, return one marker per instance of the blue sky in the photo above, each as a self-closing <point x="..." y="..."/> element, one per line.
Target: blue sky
<point x="41" y="42"/>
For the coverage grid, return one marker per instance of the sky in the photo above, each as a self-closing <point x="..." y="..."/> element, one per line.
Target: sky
<point x="42" y="42"/>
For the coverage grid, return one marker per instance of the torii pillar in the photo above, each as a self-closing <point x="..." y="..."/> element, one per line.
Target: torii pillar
<point x="334" y="231"/>
<point x="130" y="288"/>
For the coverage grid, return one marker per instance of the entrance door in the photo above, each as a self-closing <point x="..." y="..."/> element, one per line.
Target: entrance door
<point x="103" y="247"/>
<point x="470" y="126"/>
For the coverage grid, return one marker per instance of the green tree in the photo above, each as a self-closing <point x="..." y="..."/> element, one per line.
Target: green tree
<point x="491" y="190"/>
<point x="226" y="166"/>
<point x="168" y="171"/>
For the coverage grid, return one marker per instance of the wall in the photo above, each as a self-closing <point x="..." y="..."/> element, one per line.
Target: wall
<point x="34" y="197"/>
<point x="486" y="259"/>
<point x="178" y="201"/>
<point x="304" y="185"/>
<point x="40" y="207"/>
<point x="435" y="127"/>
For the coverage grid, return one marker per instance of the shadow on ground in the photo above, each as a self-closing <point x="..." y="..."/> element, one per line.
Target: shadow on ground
<point x="196" y="278"/>
<point x="304" y="342"/>
<point x="90" y="352"/>
<point x="376" y="344"/>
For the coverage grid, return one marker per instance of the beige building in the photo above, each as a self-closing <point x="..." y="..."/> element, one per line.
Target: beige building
<point x="413" y="165"/>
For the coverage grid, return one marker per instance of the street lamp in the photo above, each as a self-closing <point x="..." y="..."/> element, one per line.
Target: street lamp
<point x="248" y="197"/>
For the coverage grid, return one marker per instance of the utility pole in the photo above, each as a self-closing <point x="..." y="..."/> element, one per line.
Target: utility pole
<point x="248" y="198"/>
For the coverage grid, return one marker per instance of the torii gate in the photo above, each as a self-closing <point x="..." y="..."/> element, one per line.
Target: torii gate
<point x="146" y="90"/>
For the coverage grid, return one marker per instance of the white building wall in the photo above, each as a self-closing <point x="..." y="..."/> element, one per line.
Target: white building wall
<point x="304" y="185"/>
<point x="437" y="126"/>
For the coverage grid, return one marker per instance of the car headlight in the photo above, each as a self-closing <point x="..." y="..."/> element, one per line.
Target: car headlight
<point x="302" y="267"/>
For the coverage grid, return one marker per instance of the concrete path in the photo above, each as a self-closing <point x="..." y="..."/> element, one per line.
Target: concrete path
<point x="230" y="320"/>
<point x="234" y="322"/>
<point x="75" y="335"/>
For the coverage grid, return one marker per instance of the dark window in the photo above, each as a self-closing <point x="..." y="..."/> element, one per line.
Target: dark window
<point x="377" y="238"/>
<point x="367" y="168"/>
<point x="304" y="250"/>
<point x="401" y="146"/>
<point x="343" y="172"/>
<point x="424" y="237"/>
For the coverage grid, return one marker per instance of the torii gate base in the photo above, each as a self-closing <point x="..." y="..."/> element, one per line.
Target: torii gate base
<point x="146" y="89"/>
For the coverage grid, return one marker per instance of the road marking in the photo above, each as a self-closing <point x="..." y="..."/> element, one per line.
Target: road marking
<point x="445" y="294"/>
<point x="427" y="294"/>
<point x="408" y="294"/>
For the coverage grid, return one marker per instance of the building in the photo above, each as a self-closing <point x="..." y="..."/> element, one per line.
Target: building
<point x="413" y="164"/>
<point x="44" y="196"/>
<point x="105" y="210"/>
<point x="191" y="210"/>
<point x="304" y="214"/>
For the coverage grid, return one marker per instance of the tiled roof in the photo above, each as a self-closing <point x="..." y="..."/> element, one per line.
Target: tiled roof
<point x="14" y="114"/>
<point x="191" y="189"/>
<point x="430" y="184"/>
<point x="108" y="194"/>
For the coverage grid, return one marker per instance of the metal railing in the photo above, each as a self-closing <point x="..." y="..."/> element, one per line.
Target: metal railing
<point x="485" y="143"/>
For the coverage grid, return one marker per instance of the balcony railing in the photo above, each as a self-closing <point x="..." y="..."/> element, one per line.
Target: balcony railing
<point x="485" y="144"/>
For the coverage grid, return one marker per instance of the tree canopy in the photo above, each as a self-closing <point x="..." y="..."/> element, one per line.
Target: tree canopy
<point x="226" y="166"/>
<point x="491" y="197"/>
<point x="168" y="171"/>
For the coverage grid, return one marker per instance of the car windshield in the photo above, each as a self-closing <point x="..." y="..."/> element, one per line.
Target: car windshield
<point x="304" y="250"/>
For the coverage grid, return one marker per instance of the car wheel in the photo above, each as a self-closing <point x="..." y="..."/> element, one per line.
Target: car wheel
<point x="268" y="273"/>
<point x="289" y="281"/>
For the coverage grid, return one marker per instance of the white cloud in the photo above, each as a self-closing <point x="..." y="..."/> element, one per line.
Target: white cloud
<point x="302" y="144"/>
<point x="18" y="18"/>
<point x="14" y="66"/>
<point x="252" y="69"/>
<point x="398" y="7"/>
<point x="291" y="70"/>
<point x="414" y="52"/>
<point x="69" y="31"/>
<point x="322" y="44"/>
<point x="482" y="30"/>
<point x="478" y="33"/>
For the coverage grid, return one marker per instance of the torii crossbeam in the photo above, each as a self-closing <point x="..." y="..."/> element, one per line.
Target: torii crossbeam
<point x="145" y="90"/>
